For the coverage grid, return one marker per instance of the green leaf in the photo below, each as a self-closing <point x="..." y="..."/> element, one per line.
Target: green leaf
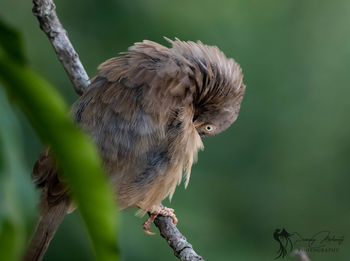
<point x="73" y="150"/>
<point x="9" y="240"/>
<point x="11" y="43"/>
<point x="17" y="198"/>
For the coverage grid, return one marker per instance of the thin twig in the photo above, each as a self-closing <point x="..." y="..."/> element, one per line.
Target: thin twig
<point x="182" y="249"/>
<point x="44" y="10"/>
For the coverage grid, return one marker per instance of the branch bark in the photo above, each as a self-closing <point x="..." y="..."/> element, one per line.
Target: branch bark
<point x="182" y="248"/>
<point x="44" y="10"/>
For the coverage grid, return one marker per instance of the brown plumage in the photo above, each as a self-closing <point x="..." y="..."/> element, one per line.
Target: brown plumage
<point x="147" y="111"/>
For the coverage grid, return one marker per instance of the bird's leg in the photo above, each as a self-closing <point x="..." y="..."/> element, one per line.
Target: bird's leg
<point x="160" y="210"/>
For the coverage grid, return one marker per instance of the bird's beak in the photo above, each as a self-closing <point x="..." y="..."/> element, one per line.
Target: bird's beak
<point x="196" y="125"/>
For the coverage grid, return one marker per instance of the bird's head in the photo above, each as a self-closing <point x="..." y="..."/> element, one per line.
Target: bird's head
<point x="214" y="120"/>
<point x="187" y="74"/>
<point x="219" y="86"/>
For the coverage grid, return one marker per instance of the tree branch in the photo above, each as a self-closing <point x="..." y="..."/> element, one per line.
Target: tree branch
<point x="44" y="10"/>
<point x="182" y="249"/>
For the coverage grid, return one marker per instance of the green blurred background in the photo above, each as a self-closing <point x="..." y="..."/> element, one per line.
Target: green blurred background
<point x="284" y="163"/>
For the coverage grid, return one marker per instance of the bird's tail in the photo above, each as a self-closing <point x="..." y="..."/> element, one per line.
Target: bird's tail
<point x="49" y="221"/>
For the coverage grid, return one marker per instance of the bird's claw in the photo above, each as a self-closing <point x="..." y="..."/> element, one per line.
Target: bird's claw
<point x="163" y="211"/>
<point x="147" y="225"/>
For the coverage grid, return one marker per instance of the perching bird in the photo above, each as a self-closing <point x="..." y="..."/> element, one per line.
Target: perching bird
<point x="147" y="111"/>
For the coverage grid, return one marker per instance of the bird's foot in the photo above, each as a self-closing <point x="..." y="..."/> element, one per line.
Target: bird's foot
<point x="161" y="210"/>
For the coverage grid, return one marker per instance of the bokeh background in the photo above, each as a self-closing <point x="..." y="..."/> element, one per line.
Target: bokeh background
<point x="284" y="163"/>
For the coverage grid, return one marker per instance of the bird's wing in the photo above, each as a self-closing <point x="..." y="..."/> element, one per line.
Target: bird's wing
<point x="114" y="116"/>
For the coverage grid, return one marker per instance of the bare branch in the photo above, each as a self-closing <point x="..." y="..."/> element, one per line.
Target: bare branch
<point x="182" y="249"/>
<point x="44" y="10"/>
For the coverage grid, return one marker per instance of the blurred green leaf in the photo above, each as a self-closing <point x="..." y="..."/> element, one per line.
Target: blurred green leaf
<point x="9" y="241"/>
<point x="16" y="189"/>
<point x="73" y="150"/>
<point x="10" y="42"/>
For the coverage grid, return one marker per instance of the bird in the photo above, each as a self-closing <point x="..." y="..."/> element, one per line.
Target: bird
<point x="147" y="111"/>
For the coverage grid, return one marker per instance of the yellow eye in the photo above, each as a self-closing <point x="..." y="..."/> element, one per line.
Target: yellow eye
<point x="209" y="128"/>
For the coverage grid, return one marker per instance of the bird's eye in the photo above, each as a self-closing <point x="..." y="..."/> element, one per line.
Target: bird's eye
<point x="209" y="128"/>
